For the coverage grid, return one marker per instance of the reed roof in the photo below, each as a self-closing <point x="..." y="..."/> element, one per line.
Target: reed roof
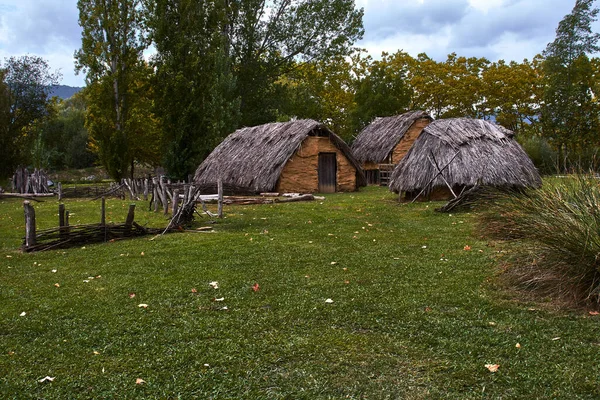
<point x="378" y="139"/>
<point x="486" y="153"/>
<point x="251" y="159"/>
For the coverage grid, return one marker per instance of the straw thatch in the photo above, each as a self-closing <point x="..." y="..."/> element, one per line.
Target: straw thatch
<point x="251" y="159"/>
<point x="485" y="154"/>
<point x="376" y="143"/>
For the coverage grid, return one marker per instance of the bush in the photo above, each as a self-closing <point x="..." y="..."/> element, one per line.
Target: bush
<point x="541" y="153"/>
<point x="559" y="230"/>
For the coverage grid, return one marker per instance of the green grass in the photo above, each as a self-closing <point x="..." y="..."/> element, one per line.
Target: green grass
<point x="414" y="315"/>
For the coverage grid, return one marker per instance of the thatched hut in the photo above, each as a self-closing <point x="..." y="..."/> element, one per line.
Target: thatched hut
<point x="468" y="152"/>
<point x="299" y="156"/>
<point x="383" y="143"/>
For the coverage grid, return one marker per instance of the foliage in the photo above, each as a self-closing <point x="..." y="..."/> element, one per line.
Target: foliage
<point x="413" y="313"/>
<point x="560" y="228"/>
<point x="570" y="112"/>
<point x="449" y="89"/>
<point x="196" y="101"/>
<point x="25" y="84"/>
<point x="544" y="157"/>
<point x="266" y="38"/>
<point x="321" y="90"/>
<point x="61" y="139"/>
<point x="118" y="92"/>
<point x="384" y="90"/>
<point x="513" y="93"/>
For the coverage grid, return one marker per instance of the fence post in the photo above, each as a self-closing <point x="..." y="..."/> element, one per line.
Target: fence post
<point x="130" y="216"/>
<point x="175" y="201"/>
<point x="61" y="215"/>
<point x="103" y="212"/>
<point x="60" y="193"/>
<point x="220" y="198"/>
<point x="29" y="225"/>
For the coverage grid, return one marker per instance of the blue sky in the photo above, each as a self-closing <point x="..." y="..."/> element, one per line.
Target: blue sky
<point x="495" y="29"/>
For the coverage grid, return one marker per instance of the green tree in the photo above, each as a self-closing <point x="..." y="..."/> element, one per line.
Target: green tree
<point x="112" y="43"/>
<point x="449" y="89"/>
<point x="269" y="38"/>
<point x="570" y="112"/>
<point x="513" y="94"/>
<point x="62" y="139"/>
<point x="384" y="90"/>
<point x="25" y="85"/>
<point x="321" y="90"/>
<point x="197" y="103"/>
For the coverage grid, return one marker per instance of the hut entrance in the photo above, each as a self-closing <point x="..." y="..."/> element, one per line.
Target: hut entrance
<point x="327" y="172"/>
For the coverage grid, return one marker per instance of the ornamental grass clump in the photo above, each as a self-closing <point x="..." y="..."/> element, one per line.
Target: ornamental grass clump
<point x="558" y="227"/>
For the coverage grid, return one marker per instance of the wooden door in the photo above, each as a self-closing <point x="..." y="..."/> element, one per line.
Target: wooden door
<point x="327" y="172"/>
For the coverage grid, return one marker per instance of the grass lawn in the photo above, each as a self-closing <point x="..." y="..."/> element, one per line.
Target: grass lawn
<point x="413" y="314"/>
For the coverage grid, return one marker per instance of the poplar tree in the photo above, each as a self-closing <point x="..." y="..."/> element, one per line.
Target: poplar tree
<point x="112" y="44"/>
<point x="196" y="100"/>
<point x="570" y="114"/>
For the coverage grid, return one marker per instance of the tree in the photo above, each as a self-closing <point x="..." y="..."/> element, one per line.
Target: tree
<point x="449" y="89"/>
<point x="513" y="94"/>
<point x="197" y="103"/>
<point x="61" y="137"/>
<point x="266" y="38"/>
<point x="113" y="39"/>
<point x="570" y="112"/>
<point x="25" y="85"/>
<point x="322" y="90"/>
<point x="385" y="90"/>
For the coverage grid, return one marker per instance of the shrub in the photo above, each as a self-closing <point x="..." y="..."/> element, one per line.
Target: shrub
<point x="541" y="153"/>
<point x="559" y="230"/>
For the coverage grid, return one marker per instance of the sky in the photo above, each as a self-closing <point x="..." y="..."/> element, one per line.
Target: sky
<point x="495" y="29"/>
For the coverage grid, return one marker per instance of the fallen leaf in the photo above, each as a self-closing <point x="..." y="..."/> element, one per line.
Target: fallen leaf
<point x="556" y="338"/>
<point x="225" y="308"/>
<point x="256" y="287"/>
<point x="143" y="305"/>
<point x="347" y="282"/>
<point x="518" y="345"/>
<point x="96" y="353"/>
<point x="219" y="299"/>
<point x="54" y="271"/>
<point x="11" y="353"/>
<point x="492" y="367"/>
<point x="594" y="313"/>
<point x="206" y="365"/>
<point x="344" y="269"/>
<point x="57" y="284"/>
<point x="307" y="276"/>
<point x="139" y="381"/>
<point x="423" y="247"/>
<point x="328" y="301"/>
<point x="194" y="290"/>
<point x="131" y="295"/>
<point x="142" y="253"/>
<point x="214" y="284"/>
<point x="23" y="314"/>
<point x="85" y="281"/>
<point x="333" y="262"/>
<point x="427" y="309"/>
<point x="46" y="379"/>
<point x="467" y="248"/>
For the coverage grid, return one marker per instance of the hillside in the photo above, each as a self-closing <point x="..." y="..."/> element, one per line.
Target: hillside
<point x="63" y="91"/>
